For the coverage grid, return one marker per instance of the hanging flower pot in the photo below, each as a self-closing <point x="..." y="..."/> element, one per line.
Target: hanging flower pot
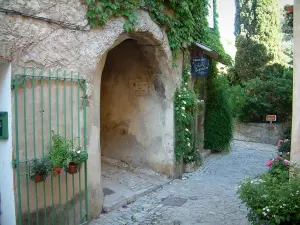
<point x="40" y="169"/>
<point x="39" y="178"/>
<point x="57" y="169"/>
<point x="73" y="167"/>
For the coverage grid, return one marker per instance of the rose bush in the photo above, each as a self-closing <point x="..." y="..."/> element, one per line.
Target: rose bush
<point x="273" y="198"/>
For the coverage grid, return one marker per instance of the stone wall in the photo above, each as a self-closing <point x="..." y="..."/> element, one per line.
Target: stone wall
<point x="258" y="132"/>
<point x="35" y="43"/>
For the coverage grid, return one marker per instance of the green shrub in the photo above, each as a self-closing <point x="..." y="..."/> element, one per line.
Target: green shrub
<point x="218" y="124"/>
<point x="285" y="147"/>
<point x="236" y="98"/>
<point x="269" y="93"/>
<point x="77" y="156"/>
<point x="41" y="167"/>
<point x="274" y="197"/>
<point x="287" y="134"/>
<point x="59" y="151"/>
<point x="185" y="102"/>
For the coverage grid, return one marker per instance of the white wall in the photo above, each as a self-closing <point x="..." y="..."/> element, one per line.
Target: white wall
<point x="6" y="170"/>
<point x="295" y="151"/>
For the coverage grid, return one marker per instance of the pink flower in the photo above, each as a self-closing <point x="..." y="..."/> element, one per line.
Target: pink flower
<point x="248" y="92"/>
<point x="269" y="163"/>
<point x="286" y="162"/>
<point x="278" y="143"/>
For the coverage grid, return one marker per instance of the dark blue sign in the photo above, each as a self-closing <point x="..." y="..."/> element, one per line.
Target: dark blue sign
<point x="200" y="66"/>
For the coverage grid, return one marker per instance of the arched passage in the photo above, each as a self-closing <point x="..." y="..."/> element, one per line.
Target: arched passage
<point x="133" y="108"/>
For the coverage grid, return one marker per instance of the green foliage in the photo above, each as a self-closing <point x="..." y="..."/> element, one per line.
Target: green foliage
<point x="285" y="148"/>
<point x="257" y="30"/>
<point x="184" y="20"/>
<point x="250" y="58"/>
<point x="287" y="134"/>
<point x="269" y="93"/>
<point x="236" y="98"/>
<point x="218" y="124"/>
<point x="77" y="156"/>
<point x="273" y="198"/>
<point x="287" y="26"/>
<point x="59" y="151"/>
<point x="64" y="151"/>
<point x="185" y="103"/>
<point x="41" y="166"/>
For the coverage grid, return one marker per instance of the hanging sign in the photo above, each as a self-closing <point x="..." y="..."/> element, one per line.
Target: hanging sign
<point x="271" y="118"/>
<point x="200" y="66"/>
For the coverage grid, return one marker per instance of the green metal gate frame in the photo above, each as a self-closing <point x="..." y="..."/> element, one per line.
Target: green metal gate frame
<point x="21" y="81"/>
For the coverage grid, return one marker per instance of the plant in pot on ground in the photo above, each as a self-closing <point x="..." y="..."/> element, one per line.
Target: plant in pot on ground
<point x="59" y="152"/>
<point x="76" y="157"/>
<point x="40" y="169"/>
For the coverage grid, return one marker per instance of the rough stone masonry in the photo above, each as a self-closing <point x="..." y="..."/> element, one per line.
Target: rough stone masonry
<point x="31" y="42"/>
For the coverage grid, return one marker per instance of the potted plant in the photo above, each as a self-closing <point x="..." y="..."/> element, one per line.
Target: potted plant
<point x="40" y="169"/>
<point x="76" y="158"/>
<point x="59" y="152"/>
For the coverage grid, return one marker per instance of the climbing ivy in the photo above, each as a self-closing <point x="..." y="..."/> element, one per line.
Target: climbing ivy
<point x="183" y="20"/>
<point x="185" y="103"/>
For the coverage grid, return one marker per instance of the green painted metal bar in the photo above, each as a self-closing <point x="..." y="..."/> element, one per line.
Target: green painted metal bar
<point x="19" y="82"/>
<point x="57" y="127"/>
<point x="78" y="115"/>
<point x="26" y="153"/>
<point x="65" y="131"/>
<point x="50" y="141"/>
<point x="17" y="152"/>
<point x="74" y="202"/>
<point x="34" y="144"/>
<point x="81" y="84"/>
<point x="39" y="77"/>
<point x="85" y="147"/>
<point x="43" y="143"/>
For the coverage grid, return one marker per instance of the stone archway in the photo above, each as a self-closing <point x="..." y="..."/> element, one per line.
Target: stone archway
<point x="43" y="45"/>
<point x="135" y="118"/>
<point x="133" y="110"/>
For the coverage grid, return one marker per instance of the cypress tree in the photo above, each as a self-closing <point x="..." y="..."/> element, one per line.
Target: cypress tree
<point x="257" y="30"/>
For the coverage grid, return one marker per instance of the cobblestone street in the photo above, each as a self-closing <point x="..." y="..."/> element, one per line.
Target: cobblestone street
<point x="205" y="197"/>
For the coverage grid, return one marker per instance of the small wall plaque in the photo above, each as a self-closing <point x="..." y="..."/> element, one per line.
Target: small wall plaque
<point x="139" y="87"/>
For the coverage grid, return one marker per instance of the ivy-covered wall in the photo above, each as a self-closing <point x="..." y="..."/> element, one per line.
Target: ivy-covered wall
<point x="185" y="22"/>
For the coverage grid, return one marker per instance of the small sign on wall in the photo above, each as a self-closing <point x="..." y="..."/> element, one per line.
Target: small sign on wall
<point x="139" y="87"/>
<point x="200" y="66"/>
<point x="271" y="118"/>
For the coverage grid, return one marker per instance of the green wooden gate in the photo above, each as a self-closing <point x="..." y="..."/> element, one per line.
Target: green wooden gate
<point x="48" y="103"/>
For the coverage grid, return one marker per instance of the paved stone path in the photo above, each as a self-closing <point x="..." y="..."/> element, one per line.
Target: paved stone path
<point x="207" y="196"/>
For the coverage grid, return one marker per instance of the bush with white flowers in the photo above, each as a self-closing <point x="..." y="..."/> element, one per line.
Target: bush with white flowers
<point x="273" y="198"/>
<point x="185" y="102"/>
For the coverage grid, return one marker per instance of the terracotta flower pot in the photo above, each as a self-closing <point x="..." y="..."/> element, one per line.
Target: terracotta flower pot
<point x="72" y="168"/>
<point x="57" y="170"/>
<point x="39" y="178"/>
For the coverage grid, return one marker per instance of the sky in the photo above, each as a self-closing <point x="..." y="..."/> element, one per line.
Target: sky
<point x="226" y="11"/>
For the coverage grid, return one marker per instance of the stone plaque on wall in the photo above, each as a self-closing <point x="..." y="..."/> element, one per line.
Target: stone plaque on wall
<point x="140" y="87"/>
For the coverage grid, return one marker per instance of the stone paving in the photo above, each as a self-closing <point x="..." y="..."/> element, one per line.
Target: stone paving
<point x="205" y="197"/>
<point x="123" y="185"/>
